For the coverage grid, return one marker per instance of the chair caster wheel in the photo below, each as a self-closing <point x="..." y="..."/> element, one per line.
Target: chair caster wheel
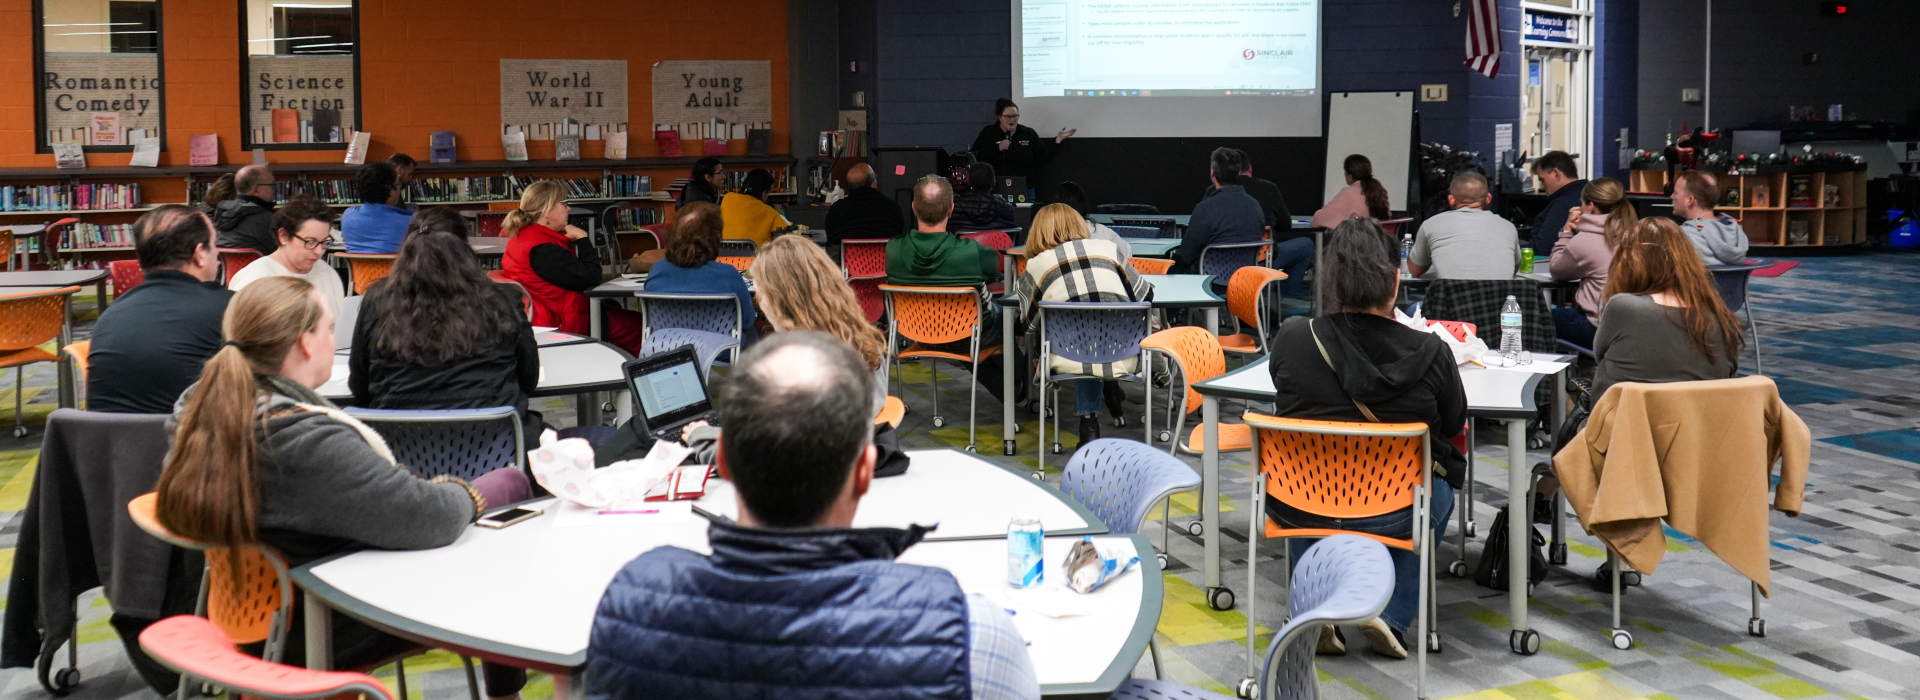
<point x="1196" y="527"/>
<point x="1162" y="559"/>
<point x="1458" y="568"/>
<point x="1524" y="642"/>
<point x="1433" y="642"/>
<point x="606" y="406"/>
<point x="20" y="431"/>
<point x="1757" y="627"/>
<point x="1039" y="476"/>
<point x="1247" y="688"/>
<point x="1220" y="598"/>
<point x="939" y="422"/>
<point x="1049" y="411"/>
<point x="971" y="448"/>
<point x="1166" y="435"/>
<point x="1473" y="530"/>
<point x="1006" y="448"/>
<point x="1056" y="448"/>
<point x="1016" y="431"/>
<point x="66" y="679"/>
<point x="1557" y="555"/>
<point x="1629" y="578"/>
<point x="1622" y="640"/>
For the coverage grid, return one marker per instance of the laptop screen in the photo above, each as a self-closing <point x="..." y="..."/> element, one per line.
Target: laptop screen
<point x="669" y="388"/>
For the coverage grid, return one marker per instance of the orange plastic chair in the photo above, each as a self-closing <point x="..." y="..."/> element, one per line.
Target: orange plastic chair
<point x="233" y="260"/>
<point x="507" y="206"/>
<point x="1152" y="266"/>
<point x="930" y="316"/>
<point x="1346" y="470"/>
<point x="1247" y="301"/>
<point x="28" y="321"/>
<point x="366" y="269"/>
<point x="739" y="263"/>
<point x="77" y="353"/>
<point x="999" y="242"/>
<point x="1197" y="353"/>
<point x="126" y="275"/>
<point x="258" y="609"/>
<point x="198" y="648"/>
<point x="891" y="413"/>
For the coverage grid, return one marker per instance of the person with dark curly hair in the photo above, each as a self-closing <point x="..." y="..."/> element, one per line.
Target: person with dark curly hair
<point x="379" y="223"/>
<point x="304" y="227"/>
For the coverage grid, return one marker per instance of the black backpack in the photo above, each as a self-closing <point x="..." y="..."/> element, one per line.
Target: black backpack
<point x="1492" y="571"/>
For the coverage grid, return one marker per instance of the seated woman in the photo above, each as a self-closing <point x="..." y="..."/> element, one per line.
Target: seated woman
<point x="746" y="213"/>
<point x="304" y="228"/>
<point x="1584" y="252"/>
<point x="557" y="265"/>
<point x="258" y="458"/>
<point x="1363" y="196"/>
<point x="1398" y="374"/>
<point x="1065" y="263"/>
<point x="690" y="268"/>
<point x="438" y="333"/>
<point x="1663" y="319"/>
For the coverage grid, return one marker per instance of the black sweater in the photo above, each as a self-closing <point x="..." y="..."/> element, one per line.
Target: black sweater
<point x="576" y="270"/>
<point x="1023" y="158"/>
<point x="1273" y="206"/>
<point x="979" y="210"/>
<point x="1402" y="375"/>
<point x="503" y="374"/>
<point x="1226" y="216"/>
<point x="153" y="341"/>
<point x="246" y="221"/>
<point x="865" y="214"/>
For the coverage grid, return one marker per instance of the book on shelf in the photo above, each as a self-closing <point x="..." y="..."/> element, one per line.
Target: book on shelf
<point x="104" y="129"/>
<point x="440" y="147"/>
<point x="1799" y="232"/>
<point x="465" y="189"/>
<point x="326" y="126"/>
<point x="1831" y="200"/>
<point x="616" y="145"/>
<point x="69" y="155"/>
<point x="669" y="142"/>
<point x="626" y="185"/>
<point x="759" y="141"/>
<point x="593" y="132"/>
<point x="515" y="144"/>
<point x="1731" y="198"/>
<point x="582" y="187"/>
<point x="1799" y="191"/>
<point x="85" y="235"/>
<point x="146" y="153"/>
<point x="357" y="148"/>
<point x="286" y="126"/>
<point x="1760" y="197"/>
<point x="566" y="147"/>
<point x="713" y="147"/>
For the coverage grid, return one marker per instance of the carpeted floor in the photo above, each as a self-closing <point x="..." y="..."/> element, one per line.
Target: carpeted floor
<point x="1841" y="338"/>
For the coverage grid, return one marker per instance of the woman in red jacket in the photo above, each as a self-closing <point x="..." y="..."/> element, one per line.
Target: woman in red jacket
<point x="557" y="265"/>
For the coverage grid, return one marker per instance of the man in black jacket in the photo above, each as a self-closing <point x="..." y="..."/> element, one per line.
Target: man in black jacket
<point x="152" y="342"/>
<point x="246" y="221"/>
<point x="1562" y="179"/>
<point x="975" y="208"/>
<point x="865" y="213"/>
<point x="1228" y="216"/>
<point x="1273" y="206"/>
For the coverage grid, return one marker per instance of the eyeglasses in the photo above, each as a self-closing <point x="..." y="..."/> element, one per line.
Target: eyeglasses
<point x="313" y="244"/>
<point x="1009" y="116"/>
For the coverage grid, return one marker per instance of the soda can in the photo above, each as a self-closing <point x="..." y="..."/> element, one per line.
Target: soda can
<point x="1026" y="556"/>
<point x="1526" y="260"/>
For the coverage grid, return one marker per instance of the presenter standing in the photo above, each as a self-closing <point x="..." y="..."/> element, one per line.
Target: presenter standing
<point x="1014" y="150"/>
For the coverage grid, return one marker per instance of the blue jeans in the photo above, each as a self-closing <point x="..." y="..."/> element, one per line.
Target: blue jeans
<point x="1086" y="396"/>
<point x="1405" y="603"/>
<point x="1571" y="325"/>
<point x="1292" y="257"/>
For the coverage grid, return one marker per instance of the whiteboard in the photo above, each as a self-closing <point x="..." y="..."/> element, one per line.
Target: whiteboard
<point x="1378" y="125"/>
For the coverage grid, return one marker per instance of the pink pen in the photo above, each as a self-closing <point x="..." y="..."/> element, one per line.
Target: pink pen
<point x="630" y="512"/>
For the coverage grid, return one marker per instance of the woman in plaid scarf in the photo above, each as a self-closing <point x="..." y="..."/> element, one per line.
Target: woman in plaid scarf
<point x="1064" y="263"/>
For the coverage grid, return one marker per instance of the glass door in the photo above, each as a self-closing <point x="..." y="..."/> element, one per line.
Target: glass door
<point x="1556" y="86"/>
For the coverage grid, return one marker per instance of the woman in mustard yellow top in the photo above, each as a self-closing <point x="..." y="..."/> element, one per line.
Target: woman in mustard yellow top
<point x="746" y="216"/>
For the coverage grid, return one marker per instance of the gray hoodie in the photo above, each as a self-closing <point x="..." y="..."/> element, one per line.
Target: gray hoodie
<point x="1720" y="239"/>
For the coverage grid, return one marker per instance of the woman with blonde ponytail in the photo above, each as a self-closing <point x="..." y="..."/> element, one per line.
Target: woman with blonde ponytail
<point x="258" y="458"/>
<point x="1584" y="252"/>
<point x="557" y="264"/>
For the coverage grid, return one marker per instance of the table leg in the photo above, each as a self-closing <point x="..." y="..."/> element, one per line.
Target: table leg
<point x="100" y="288"/>
<point x="1210" y="497"/>
<point x="1519" y="537"/>
<point x="1213" y="320"/>
<point x="594" y="322"/>
<point x="588" y="407"/>
<point x="1007" y="346"/>
<point x="319" y="634"/>
<point x="622" y="407"/>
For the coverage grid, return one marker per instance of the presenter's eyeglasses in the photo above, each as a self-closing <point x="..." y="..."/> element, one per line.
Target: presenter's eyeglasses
<point x="1010" y="118"/>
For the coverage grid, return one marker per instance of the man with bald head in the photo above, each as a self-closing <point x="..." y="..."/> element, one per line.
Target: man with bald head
<point x="1469" y="242"/>
<point x="246" y="220"/>
<point x="795" y="602"/>
<point x="865" y="213"/>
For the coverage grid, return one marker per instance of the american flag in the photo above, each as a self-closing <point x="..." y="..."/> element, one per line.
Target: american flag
<point x="1483" y="37"/>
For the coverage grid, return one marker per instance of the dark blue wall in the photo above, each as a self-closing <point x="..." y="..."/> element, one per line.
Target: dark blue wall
<point x="1616" y="77"/>
<point x="940" y="66"/>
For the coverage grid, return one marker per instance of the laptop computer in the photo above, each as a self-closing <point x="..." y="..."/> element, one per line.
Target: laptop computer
<point x="1013" y="186"/>
<point x="671" y="392"/>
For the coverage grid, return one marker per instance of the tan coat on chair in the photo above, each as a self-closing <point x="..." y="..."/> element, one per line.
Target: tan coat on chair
<point x="1698" y="454"/>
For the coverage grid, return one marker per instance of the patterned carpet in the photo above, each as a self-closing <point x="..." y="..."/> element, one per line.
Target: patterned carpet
<point x="1841" y="340"/>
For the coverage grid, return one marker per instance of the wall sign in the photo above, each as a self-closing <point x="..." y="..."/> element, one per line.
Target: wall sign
<point x="546" y="97"/>
<point x="309" y="85"/>
<point x="1546" y="26"/>
<point x="739" y="94"/>
<point x="74" y="86"/>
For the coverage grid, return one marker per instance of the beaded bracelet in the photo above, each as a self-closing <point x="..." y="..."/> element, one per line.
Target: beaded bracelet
<point x="479" y="501"/>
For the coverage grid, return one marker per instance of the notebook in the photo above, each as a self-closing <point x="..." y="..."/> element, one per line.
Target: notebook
<point x="670" y="391"/>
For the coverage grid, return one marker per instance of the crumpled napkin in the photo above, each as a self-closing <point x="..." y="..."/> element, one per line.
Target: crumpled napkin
<point x="1469" y="350"/>
<point x="565" y="468"/>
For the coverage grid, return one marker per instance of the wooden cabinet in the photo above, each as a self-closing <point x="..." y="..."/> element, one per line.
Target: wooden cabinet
<point x="1793" y="208"/>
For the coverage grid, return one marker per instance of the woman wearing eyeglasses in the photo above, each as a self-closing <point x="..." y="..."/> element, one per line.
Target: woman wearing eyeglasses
<point x="305" y="229"/>
<point x="1014" y="150"/>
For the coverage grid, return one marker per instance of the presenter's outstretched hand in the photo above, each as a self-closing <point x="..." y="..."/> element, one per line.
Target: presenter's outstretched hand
<point x="1064" y="134"/>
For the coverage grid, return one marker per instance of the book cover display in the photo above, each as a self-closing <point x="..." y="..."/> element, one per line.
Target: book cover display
<point x="441" y="147"/>
<point x="566" y="147"/>
<point x="357" y="148"/>
<point x="616" y="145"/>
<point x="1800" y="192"/>
<point x="515" y="143"/>
<point x="669" y="142"/>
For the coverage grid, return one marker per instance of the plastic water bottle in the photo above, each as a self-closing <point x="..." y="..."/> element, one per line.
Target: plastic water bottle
<point x="1026" y="556"/>
<point x="1510" y="347"/>
<point x="1406" y="254"/>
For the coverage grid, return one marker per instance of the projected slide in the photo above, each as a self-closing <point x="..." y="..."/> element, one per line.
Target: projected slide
<point x="1169" y="48"/>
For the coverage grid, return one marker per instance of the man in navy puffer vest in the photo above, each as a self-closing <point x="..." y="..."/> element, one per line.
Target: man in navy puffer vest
<point x="794" y="603"/>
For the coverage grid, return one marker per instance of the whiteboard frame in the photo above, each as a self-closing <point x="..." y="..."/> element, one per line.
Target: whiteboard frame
<point x="1380" y="126"/>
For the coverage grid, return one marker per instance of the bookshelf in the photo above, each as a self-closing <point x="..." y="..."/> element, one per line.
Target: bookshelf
<point x="184" y="184"/>
<point x="1803" y="207"/>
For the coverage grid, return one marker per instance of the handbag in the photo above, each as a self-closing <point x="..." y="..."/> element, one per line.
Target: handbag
<point x="890" y="460"/>
<point x="1492" y="569"/>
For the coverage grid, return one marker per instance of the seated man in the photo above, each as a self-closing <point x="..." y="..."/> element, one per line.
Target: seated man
<point x="794" y="602"/>
<point x="1719" y="238"/>
<point x="931" y="257"/>
<point x="1469" y="242"/>
<point x="1229" y="215"/>
<point x="865" y="213"/>
<point x="975" y="208"/>
<point x="246" y="221"/>
<point x="152" y="342"/>
<point x="378" y="224"/>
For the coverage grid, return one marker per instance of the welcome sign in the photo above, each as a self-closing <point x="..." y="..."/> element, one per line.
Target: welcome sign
<point x="538" y="95"/>
<point x="735" y="92"/>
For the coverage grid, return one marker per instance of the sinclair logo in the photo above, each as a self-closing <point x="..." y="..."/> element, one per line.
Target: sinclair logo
<point x="1251" y="54"/>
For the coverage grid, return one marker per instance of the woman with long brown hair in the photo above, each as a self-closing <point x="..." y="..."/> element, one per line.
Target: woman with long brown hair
<point x="258" y="458"/>
<point x="1662" y="318"/>
<point x="557" y="264"/>
<point x="1065" y="263"/>
<point x="1584" y="252"/>
<point x="1363" y="196"/>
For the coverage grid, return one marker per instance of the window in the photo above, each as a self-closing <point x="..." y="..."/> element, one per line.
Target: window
<point x="99" y="68"/>
<point x="299" y="74"/>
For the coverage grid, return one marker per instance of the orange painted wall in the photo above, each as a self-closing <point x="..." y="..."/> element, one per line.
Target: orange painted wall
<point x="425" y="66"/>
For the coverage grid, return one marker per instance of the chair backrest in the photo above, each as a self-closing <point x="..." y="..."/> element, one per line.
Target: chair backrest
<point x="864" y="259"/>
<point x="1196" y="350"/>
<point x="1245" y="299"/>
<point x="199" y="648"/>
<point x="738" y="248"/>
<point x="1343" y="579"/>
<point x="873" y="304"/>
<point x="487" y="224"/>
<point x="233" y="260"/>
<point x="1478" y="302"/>
<point x="126" y="275"/>
<point x="743" y="264"/>
<point x="932" y="315"/>
<point x="1461" y="330"/>
<point x="1392" y="226"/>
<point x="366" y="269"/>
<point x="1121" y="481"/>
<point x="997" y="240"/>
<point x="1339" y="469"/>
<point x="1094" y="332"/>
<point x="659" y="233"/>
<point x="1732" y="280"/>
<point x="244" y="591"/>
<point x="1137" y="231"/>
<point x="1223" y="259"/>
<point x="33" y="318"/>
<point x="466" y="442"/>
<point x="1151" y="266"/>
<point x="713" y="313"/>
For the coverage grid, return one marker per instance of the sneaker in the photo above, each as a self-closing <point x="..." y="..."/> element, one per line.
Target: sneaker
<point x="1089" y="428"/>
<point x="1332" y="642"/>
<point x="1386" y="640"/>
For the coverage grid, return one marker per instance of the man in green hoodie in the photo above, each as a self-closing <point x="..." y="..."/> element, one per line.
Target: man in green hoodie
<point x="929" y="256"/>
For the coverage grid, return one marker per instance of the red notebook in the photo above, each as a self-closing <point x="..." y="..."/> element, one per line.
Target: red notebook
<point x="669" y="141"/>
<point x="286" y="126"/>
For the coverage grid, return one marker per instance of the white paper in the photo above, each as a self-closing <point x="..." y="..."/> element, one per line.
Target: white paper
<point x="1502" y="138"/>
<point x="1053" y="600"/>
<point x="146" y="153"/>
<point x="576" y="515"/>
<point x="1494" y="363"/>
<point x="69" y="155"/>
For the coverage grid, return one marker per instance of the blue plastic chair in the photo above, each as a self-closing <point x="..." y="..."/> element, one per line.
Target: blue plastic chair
<point x="1136" y="231"/>
<point x="1090" y="333"/>
<point x="1732" y="282"/>
<point x="709" y="322"/>
<point x="1120" y="480"/>
<point x="1223" y="259"/>
<point x="1341" y="580"/>
<point x="462" y="442"/>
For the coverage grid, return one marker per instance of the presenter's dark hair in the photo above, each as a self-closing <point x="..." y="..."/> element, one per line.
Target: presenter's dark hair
<point x="1360" y="169"/>
<point x="757" y="183"/>
<point x="288" y="217"/>
<point x="438" y="306"/>
<point x="1556" y="161"/>
<point x="1070" y="194"/>
<point x="695" y="238"/>
<point x="402" y="160"/>
<point x="706" y="166"/>
<point x="1227" y="164"/>
<point x="375" y="182"/>
<point x="1363" y="261"/>
<point x="167" y="237"/>
<point x="1001" y="105"/>
<point x="791" y="442"/>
